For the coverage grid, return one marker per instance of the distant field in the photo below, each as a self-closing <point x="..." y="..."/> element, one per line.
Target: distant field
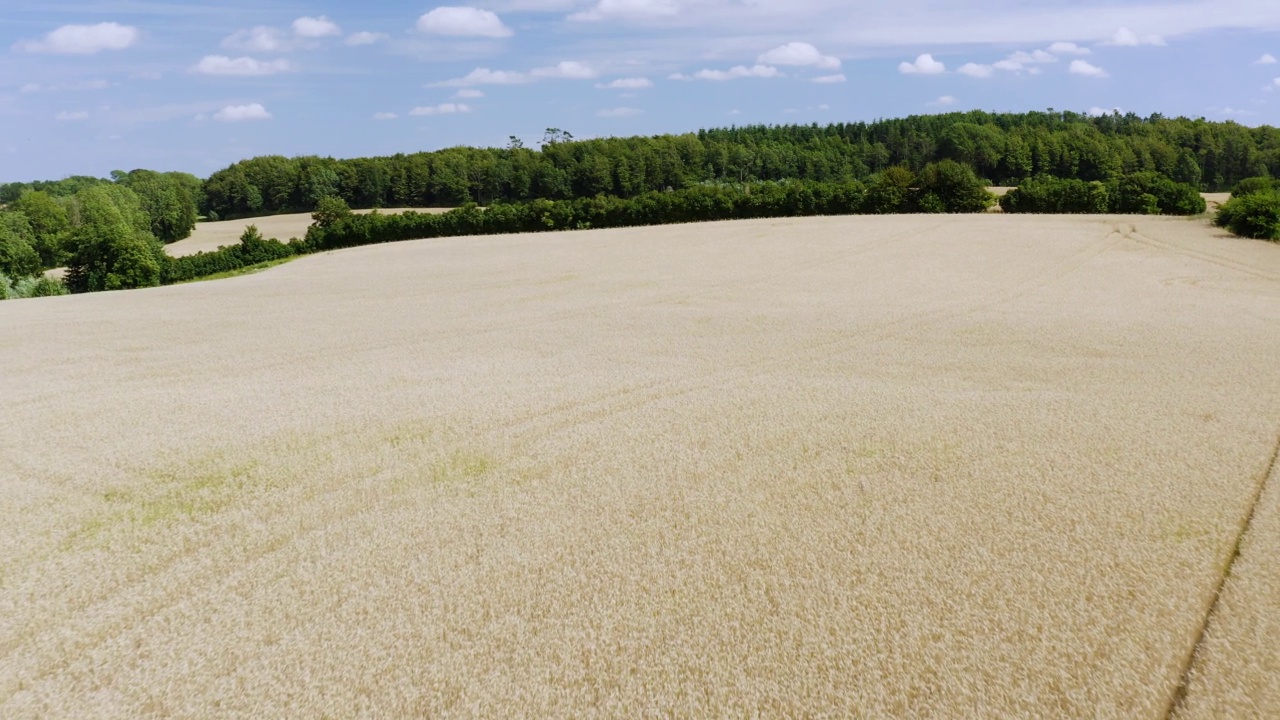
<point x="212" y="235"/>
<point x="895" y="466"/>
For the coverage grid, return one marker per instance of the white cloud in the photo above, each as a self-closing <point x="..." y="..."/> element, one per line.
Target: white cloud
<point x="924" y="65"/>
<point x="627" y="9"/>
<point x="464" y="22"/>
<point x="241" y="66"/>
<point x="469" y="94"/>
<point x="1096" y="111"/>
<point x="1124" y="37"/>
<point x="1234" y="112"/>
<point x="30" y="88"/>
<point x="485" y="76"/>
<point x="385" y="116"/>
<point x="799" y="53"/>
<point x="829" y="79"/>
<point x="1088" y="69"/>
<point x="619" y="112"/>
<point x="568" y="70"/>
<point x="638" y="83"/>
<point x="310" y="27"/>
<point x="1266" y="59"/>
<point x="1069" y="48"/>
<point x="259" y="39"/>
<point x="1032" y="58"/>
<point x="1007" y="65"/>
<point x="365" y="38"/>
<point x="733" y="73"/>
<point x="65" y="116"/>
<point x="441" y="109"/>
<point x="943" y="101"/>
<point x="241" y="113"/>
<point x="976" y="70"/>
<point x="83" y="39"/>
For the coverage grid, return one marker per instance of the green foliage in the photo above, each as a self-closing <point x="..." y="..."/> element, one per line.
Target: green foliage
<point x="167" y="200"/>
<point x="29" y="287"/>
<point x="1253" y="215"/>
<point x="890" y="192"/>
<point x="948" y="186"/>
<point x="18" y="258"/>
<point x="330" y="210"/>
<point x="50" y="224"/>
<point x="1149" y="193"/>
<point x="1006" y="147"/>
<point x="1057" y="195"/>
<point x="1249" y="186"/>
<point x="112" y="247"/>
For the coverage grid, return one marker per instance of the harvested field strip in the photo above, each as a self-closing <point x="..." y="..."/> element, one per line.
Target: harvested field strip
<point x="981" y="466"/>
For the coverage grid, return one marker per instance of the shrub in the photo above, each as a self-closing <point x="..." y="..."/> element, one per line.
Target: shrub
<point x="1254" y="215"/>
<point x="1150" y="193"/>
<point x="1250" y="186"/>
<point x="1056" y="195"/>
<point x="951" y="187"/>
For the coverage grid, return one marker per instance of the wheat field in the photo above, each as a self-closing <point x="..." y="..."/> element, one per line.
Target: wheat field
<point x="972" y="466"/>
<point x="209" y="236"/>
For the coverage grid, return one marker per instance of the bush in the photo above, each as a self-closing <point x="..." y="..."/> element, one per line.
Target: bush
<point x="1056" y="195"/>
<point x="1253" y="215"/>
<point x="1253" y="185"/>
<point x="951" y="187"/>
<point x="1150" y="193"/>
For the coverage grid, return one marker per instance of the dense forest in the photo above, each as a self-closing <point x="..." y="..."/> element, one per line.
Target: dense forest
<point x="109" y="232"/>
<point x="1002" y="148"/>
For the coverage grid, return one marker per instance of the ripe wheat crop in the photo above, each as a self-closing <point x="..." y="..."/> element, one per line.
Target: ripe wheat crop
<point x="980" y="466"/>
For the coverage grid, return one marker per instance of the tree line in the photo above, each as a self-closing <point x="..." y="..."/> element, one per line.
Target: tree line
<point x="1004" y="149"/>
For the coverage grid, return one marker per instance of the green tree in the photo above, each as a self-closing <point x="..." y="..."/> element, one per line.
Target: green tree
<point x="167" y="202"/>
<point x="112" y="247"/>
<point x="17" y="256"/>
<point x="50" y="224"/>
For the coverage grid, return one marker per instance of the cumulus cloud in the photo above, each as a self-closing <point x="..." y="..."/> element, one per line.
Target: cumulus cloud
<point x="259" y="39"/>
<point x="485" y="76"/>
<point x="469" y="94"/>
<point x="241" y="113"/>
<point x="1088" y="69"/>
<point x="976" y="70"/>
<point x="463" y="22"/>
<point x="799" y="53"/>
<point x="638" y="83"/>
<point x="365" y="38"/>
<point x="1266" y="59"/>
<point x="829" y="79"/>
<point x="241" y="66"/>
<point x="441" y="109"/>
<point x="66" y="116"/>
<point x="1032" y="58"/>
<point x="385" y="116"/>
<point x="315" y="27"/>
<point x="627" y="9"/>
<point x="568" y="70"/>
<point x="733" y="73"/>
<point x="943" y="101"/>
<point x="1124" y="37"/>
<point x="924" y="65"/>
<point x="83" y="39"/>
<point x="619" y="112"/>
<point x="1069" y="48"/>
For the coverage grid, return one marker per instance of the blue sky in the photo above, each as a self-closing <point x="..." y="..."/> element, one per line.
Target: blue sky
<point x="88" y="87"/>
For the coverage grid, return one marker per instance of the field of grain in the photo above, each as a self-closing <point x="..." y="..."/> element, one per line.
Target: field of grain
<point x="210" y="236"/>
<point x="919" y="466"/>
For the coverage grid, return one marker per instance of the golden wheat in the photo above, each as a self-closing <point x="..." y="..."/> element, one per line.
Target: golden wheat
<point x="914" y="466"/>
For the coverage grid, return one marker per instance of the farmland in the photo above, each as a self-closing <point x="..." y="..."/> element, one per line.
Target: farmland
<point x="895" y="465"/>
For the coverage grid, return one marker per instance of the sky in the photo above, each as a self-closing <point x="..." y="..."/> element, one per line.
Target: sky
<point x="87" y="87"/>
